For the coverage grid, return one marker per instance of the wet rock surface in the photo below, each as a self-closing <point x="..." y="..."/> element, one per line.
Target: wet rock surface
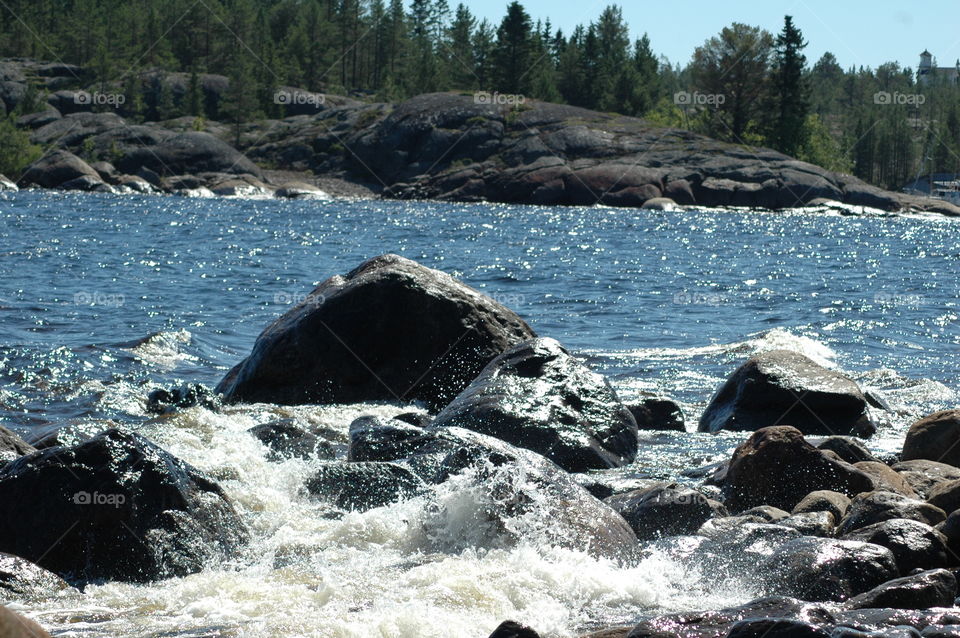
<point x="783" y="387"/>
<point x="391" y="329"/>
<point x="537" y="396"/>
<point x="116" y="507"/>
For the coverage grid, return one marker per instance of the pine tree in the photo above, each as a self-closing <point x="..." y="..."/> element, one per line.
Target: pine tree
<point x="790" y="93"/>
<point x="512" y="56"/>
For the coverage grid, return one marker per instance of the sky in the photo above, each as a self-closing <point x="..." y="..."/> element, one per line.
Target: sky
<point x="858" y="33"/>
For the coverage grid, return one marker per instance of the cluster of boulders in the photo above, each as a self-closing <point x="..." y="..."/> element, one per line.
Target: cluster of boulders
<point x="508" y="425"/>
<point x="436" y="146"/>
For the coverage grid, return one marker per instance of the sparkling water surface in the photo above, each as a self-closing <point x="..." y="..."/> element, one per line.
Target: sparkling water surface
<point x="105" y="298"/>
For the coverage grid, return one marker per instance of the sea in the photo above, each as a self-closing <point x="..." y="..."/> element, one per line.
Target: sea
<point x="104" y="298"/>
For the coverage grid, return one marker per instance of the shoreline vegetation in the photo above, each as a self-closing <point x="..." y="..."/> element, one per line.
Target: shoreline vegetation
<point x="307" y="99"/>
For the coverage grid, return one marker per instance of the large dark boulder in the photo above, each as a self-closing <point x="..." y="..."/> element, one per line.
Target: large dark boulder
<point x="777" y="466"/>
<point x="824" y="569"/>
<point x="915" y="545"/>
<point x="190" y="152"/>
<point x="391" y="329"/>
<point x="933" y="588"/>
<point x="934" y="438"/>
<point x="57" y="168"/>
<point x="782" y="387"/>
<point x="668" y="510"/>
<point x="537" y="396"/>
<point x="115" y="507"/>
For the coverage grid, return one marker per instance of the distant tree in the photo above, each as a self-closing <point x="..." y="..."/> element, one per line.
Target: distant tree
<point x="460" y="65"/>
<point x="513" y="53"/>
<point x="16" y="151"/>
<point x="732" y="69"/>
<point x="789" y="91"/>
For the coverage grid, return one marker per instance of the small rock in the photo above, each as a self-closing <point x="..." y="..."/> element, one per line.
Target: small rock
<point x="657" y="413"/>
<point x="885" y="479"/>
<point x="824" y="501"/>
<point x="14" y="625"/>
<point x="946" y="496"/>
<point x="923" y="475"/>
<point x="20" y="579"/>
<point x="188" y="395"/>
<point x="776" y="628"/>
<point x="847" y="448"/>
<point x="875" y="507"/>
<point x="811" y="523"/>
<point x="510" y="629"/>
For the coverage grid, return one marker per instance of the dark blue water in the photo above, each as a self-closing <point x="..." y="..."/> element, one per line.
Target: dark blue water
<point x="667" y="301"/>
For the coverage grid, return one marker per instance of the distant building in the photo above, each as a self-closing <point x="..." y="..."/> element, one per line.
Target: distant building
<point x="926" y="70"/>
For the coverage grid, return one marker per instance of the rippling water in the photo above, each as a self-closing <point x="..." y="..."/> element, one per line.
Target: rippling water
<point x="105" y="298"/>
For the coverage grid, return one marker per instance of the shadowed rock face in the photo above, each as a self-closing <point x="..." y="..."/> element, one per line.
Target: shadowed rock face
<point x="777" y="466"/>
<point x="116" y="507"/>
<point x="539" y="397"/>
<point x="935" y="438"/>
<point x="782" y="387"/>
<point x="389" y="330"/>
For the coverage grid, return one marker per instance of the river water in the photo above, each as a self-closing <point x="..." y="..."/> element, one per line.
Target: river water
<point x="105" y="298"/>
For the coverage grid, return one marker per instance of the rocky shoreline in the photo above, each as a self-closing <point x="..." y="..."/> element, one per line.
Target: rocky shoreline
<point x="443" y="146"/>
<point x="842" y="543"/>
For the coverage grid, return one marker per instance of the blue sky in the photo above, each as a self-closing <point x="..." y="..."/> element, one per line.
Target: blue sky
<point x="857" y="32"/>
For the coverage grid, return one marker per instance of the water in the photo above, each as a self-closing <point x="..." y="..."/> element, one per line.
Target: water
<point x="105" y="298"/>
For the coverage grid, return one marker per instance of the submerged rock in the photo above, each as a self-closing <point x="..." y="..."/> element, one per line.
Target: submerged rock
<point x="667" y="510"/>
<point x="934" y="438"/>
<point x="537" y="396"/>
<point x="782" y="387"/>
<point x="777" y="466"/>
<point x="496" y="494"/>
<point x="823" y="569"/>
<point x="188" y="395"/>
<point x="364" y="485"/>
<point x="287" y="440"/>
<point x="116" y="507"/>
<point x="391" y="329"/>
<point x="19" y="578"/>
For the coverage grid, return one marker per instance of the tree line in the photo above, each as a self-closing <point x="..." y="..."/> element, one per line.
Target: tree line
<point x="744" y="85"/>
